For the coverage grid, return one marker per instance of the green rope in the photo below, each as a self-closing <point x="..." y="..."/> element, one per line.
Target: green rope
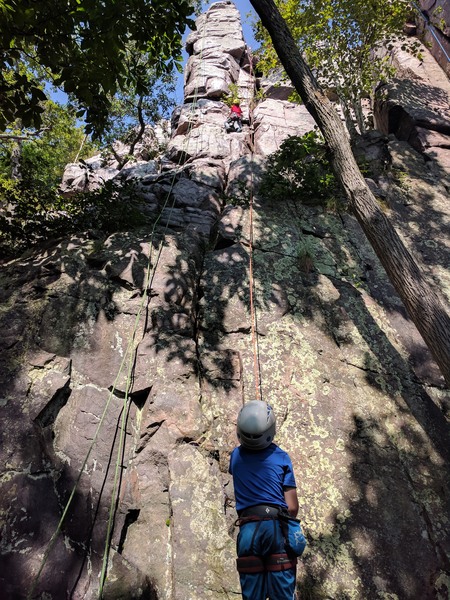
<point x="118" y="462"/>
<point x="52" y="540"/>
<point x="131" y="361"/>
<point x="63" y="516"/>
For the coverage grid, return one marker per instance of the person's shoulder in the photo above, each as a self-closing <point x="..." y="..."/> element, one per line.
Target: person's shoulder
<point x="279" y="451"/>
<point x="277" y="448"/>
<point x="236" y="452"/>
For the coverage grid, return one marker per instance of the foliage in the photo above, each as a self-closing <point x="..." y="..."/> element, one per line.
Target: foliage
<point x="300" y="170"/>
<point x="114" y="207"/>
<point x="233" y="96"/>
<point x="131" y="112"/>
<point x="260" y="96"/>
<point x="32" y="214"/>
<point x="43" y="155"/>
<point x="240" y="195"/>
<point x="338" y="39"/>
<point x="82" y="45"/>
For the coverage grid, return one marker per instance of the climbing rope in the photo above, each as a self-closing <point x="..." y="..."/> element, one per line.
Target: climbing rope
<point x="129" y="355"/>
<point x="54" y="537"/>
<point x="253" y="316"/>
<point x="253" y="313"/>
<point x="114" y="494"/>
<point x="430" y="27"/>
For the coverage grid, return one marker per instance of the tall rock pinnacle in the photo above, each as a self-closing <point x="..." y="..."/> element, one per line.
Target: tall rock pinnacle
<point x="219" y="56"/>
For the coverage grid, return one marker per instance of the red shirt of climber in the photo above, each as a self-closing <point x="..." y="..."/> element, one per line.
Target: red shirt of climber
<point x="234" y="121"/>
<point x="236" y="111"/>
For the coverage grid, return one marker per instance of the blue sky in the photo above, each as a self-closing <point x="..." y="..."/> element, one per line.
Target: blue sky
<point x="245" y="8"/>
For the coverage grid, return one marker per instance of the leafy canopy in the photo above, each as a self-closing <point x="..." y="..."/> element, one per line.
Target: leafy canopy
<point x="338" y="38"/>
<point x="31" y="207"/>
<point x="42" y="156"/>
<point x="81" y="46"/>
<point x="62" y="141"/>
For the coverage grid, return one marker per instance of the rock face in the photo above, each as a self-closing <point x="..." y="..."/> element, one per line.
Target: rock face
<point x="415" y="106"/>
<point x="434" y="29"/>
<point x="125" y="360"/>
<point x="93" y="173"/>
<point x="217" y="50"/>
<point x="276" y="120"/>
<point x="219" y="57"/>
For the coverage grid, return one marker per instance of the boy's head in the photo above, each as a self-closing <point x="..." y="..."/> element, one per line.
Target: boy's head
<point x="256" y="425"/>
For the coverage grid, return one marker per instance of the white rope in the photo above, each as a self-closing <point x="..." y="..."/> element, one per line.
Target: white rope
<point x="431" y="29"/>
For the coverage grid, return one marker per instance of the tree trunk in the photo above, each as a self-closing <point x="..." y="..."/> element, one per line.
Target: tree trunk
<point x="357" y="108"/>
<point x="16" y="155"/>
<point x="425" y="306"/>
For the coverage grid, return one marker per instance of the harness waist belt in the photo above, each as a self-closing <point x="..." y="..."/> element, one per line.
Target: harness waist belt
<point x="280" y="562"/>
<point x="258" y="564"/>
<point x="261" y="510"/>
<point x="250" y="564"/>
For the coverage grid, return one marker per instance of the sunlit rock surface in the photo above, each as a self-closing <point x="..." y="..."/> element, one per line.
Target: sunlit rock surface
<point x="415" y="107"/>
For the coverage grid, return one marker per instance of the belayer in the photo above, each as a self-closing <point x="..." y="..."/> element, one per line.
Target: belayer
<point x="270" y="537"/>
<point x="234" y="121"/>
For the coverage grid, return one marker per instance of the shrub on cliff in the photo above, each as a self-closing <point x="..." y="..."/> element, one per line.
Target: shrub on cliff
<point x="300" y="170"/>
<point x="30" y="214"/>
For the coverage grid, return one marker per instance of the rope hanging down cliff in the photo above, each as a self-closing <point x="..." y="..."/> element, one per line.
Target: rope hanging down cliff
<point x="430" y="28"/>
<point x="253" y="315"/>
<point x="252" y="308"/>
<point x="114" y="495"/>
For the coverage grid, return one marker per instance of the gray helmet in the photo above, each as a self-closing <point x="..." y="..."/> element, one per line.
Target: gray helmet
<point x="256" y="425"/>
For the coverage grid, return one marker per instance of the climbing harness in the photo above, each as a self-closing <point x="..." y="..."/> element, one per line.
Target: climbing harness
<point x="272" y="562"/>
<point x="233" y="124"/>
<point x="234" y="121"/>
<point x="275" y="562"/>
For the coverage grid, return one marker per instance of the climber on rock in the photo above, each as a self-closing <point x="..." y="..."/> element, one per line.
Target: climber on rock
<point x="234" y="121"/>
<point x="270" y="537"/>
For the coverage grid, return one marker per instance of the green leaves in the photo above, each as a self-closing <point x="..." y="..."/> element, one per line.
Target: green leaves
<point x="338" y="38"/>
<point x="300" y="170"/>
<point x="81" y="44"/>
<point x="40" y="213"/>
<point x="44" y="156"/>
<point x="147" y="100"/>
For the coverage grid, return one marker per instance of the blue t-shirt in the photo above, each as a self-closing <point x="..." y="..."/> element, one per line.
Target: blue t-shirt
<point x="259" y="477"/>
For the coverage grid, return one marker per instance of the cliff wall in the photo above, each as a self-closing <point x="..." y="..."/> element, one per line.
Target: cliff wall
<point x="163" y="314"/>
